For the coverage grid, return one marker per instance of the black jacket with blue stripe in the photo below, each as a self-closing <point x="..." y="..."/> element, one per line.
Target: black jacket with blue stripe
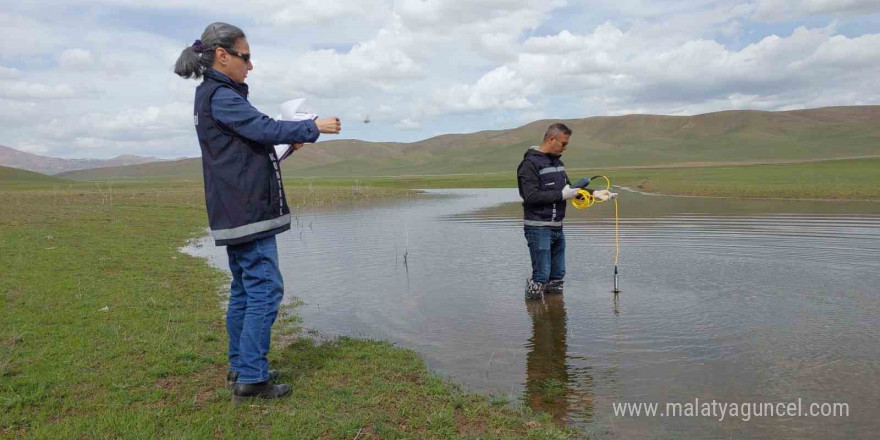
<point x="541" y="177"/>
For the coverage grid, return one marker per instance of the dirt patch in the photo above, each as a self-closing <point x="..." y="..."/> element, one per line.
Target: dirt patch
<point x="412" y="378"/>
<point x="465" y="426"/>
<point x="167" y="383"/>
<point x="366" y="433"/>
<point x="11" y="342"/>
<point x="201" y="387"/>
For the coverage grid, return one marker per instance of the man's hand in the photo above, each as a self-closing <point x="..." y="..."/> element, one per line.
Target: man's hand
<point x="581" y="183"/>
<point x="569" y="192"/>
<point x="603" y="195"/>
<point x="296" y="146"/>
<point x="330" y="125"/>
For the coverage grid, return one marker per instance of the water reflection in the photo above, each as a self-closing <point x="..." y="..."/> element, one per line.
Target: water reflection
<point x="550" y="385"/>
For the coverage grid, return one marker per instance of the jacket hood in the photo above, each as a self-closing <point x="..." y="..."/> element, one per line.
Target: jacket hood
<point x="534" y="150"/>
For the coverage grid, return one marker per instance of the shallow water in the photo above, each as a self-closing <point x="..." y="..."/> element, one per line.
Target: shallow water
<point x="736" y="301"/>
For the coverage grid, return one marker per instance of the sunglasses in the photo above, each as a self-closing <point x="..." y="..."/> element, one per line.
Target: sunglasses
<point x="246" y="57"/>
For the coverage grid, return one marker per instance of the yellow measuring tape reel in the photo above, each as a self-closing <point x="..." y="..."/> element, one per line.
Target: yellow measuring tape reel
<point x="584" y="199"/>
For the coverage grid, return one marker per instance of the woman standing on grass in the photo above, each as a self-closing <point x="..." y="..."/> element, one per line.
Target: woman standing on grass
<point x="244" y="196"/>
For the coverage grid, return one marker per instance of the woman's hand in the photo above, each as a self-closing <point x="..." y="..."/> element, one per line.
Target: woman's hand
<point x="329" y="125"/>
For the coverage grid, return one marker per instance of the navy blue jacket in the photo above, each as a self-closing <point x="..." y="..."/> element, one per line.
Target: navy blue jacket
<point x="540" y="178"/>
<point x="243" y="190"/>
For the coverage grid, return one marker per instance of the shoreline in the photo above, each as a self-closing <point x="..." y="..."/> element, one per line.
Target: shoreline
<point x="125" y="339"/>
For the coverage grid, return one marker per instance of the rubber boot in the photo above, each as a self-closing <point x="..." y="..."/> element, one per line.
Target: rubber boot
<point x="534" y="289"/>
<point x="554" y="286"/>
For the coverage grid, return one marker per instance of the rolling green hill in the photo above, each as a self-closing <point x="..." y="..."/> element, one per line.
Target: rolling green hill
<point x="184" y="169"/>
<point x="17" y="176"/>
<point x="729" y="137"/>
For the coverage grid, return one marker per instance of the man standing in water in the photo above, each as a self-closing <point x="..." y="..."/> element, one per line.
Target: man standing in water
<point x="244" y="196"/>
<point x="545" y="190"/>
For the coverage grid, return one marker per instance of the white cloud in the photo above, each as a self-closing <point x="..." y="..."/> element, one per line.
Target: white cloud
<point x="312" y="12"/>
<point x="23" y="90"/>
<point x="9" y="73"/>
<point x="76" y="59"/>
<point x="776" y="10"/>
<point x="501" y="88"/>
<point x="840" y="53"/>
<point x="484" y="14"/>
<point x="17" y="111"/>
<point x="611" y="63"/>
<point x="372" y="63"/>
<point x="146" y="123"/>
<point x="408" y="124"/>
<point x="422" y="67"/>
<point x="377" y="65"/>
<point x="26" y="36"/>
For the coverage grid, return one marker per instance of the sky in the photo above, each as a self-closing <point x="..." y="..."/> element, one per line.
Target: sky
<point x="94" y="79"/>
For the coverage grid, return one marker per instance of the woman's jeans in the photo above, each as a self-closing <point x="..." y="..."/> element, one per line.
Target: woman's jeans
<point x="547" y="249"/>
<point x="255" y="294"/>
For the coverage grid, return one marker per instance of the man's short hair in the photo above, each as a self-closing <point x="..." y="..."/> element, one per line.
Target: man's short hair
<point x="555" y="129"/>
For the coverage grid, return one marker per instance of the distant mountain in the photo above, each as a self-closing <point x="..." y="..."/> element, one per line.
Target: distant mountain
<point x="10" y="157"/>
<point x="740" y="136"/>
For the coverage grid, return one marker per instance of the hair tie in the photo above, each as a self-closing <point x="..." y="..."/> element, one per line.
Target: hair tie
<point x="197" y="46"/>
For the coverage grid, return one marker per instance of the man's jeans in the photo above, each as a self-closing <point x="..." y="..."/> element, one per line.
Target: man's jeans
<point x="256" y="292"/>
<point x="547" y="249"/>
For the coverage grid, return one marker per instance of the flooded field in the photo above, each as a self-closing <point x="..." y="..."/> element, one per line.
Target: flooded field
<point x="721" y="299"/>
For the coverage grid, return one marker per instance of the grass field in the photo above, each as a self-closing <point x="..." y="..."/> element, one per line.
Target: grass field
<point x="857" y="179"/>
<point x="850" y="179"/>
<point x="108" y="332"/>
<point x="853" y="179"/>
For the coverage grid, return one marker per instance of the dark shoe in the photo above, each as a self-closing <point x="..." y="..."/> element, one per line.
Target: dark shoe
<point x="534" y="289"/>
<point x="554" y="286"/>
<point x="263" y="390"/>
<point x="232" y="376"/>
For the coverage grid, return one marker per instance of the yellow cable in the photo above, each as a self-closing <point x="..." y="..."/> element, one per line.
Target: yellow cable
<point x="585" y="200"/>
<point x="616" y="234"/>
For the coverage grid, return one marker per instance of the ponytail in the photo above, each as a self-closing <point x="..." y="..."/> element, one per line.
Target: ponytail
<point x="189" y="63"/>
<point x="195" y="59"/>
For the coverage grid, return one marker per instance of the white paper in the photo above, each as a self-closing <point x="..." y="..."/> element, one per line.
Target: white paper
<point x="290" y="112"/>
<point x="290" y="108"/>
